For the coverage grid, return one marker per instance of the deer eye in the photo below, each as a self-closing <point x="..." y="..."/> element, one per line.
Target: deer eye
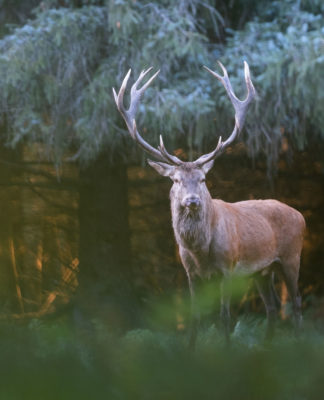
<point x="176" y="181"/>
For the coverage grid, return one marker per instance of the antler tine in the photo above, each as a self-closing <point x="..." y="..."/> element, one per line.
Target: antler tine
<point x="225" y="81"/>
<point x="136" y="94"/>
<point x="140" y="78"/>
<point x="172" y="159"/>
<point x="129" y="115"/>
<point x="240" y="107"/>
<point x="119" y="99"/>
<point x="212" y="155"/>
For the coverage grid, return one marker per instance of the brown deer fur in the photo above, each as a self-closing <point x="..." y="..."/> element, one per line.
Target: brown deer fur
<point x="226" y="239"/>
<point x="216" y="238"/>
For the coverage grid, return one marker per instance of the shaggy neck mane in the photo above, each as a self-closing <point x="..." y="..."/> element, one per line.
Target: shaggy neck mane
<point x="191" y="228"/>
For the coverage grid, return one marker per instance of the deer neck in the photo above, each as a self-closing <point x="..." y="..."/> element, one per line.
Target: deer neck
<point x="192" y="229"/>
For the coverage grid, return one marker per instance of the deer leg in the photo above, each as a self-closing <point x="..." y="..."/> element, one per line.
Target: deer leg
<point x="290" y="270"/>
<point x="189" y="264"/>
<point x="195" y="316"/>
<point x="274" y="292"/>
<point x="265" y="287"/>
<point x="225" y="312"/>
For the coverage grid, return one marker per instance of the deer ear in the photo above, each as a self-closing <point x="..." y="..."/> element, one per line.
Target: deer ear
<point x="206" y="167"/>
<point x="162" y="168"/>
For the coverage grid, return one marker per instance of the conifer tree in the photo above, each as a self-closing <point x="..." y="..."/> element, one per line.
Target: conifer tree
<point x="57" y="69"/>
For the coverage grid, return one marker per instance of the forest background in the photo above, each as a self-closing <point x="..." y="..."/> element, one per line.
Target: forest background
<point x="86" y="239"/>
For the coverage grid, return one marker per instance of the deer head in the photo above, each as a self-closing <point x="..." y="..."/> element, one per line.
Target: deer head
<point x="188" y="177"/>
<point x="212" y="234"/>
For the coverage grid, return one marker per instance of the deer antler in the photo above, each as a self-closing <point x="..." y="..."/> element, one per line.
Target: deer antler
<point x="129" y="116"/>
<point x="240" y="108"/>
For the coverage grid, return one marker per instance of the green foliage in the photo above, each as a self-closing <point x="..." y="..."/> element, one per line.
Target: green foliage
<point x="163" y="36"/>
<point x="163" y="312"/>
<point x="14" y="12"/>
<point x="44" y="68"/>
<point x="58" y="69"/>
<point x="57" y="72"/>
<point x="286" y="57"/>
<point x="53" y="360"/>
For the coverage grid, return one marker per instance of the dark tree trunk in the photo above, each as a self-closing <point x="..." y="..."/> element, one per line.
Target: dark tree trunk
<point x="105" y="279"/>
<point x="11" y="295"/>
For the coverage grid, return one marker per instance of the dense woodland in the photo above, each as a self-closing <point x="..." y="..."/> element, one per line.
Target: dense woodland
<point x="91" y="279"/>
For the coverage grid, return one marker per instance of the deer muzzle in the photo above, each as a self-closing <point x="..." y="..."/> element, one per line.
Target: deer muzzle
<point x="191" y="201"/>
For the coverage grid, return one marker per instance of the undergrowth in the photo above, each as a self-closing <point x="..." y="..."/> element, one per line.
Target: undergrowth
<point x="53" y="360"/>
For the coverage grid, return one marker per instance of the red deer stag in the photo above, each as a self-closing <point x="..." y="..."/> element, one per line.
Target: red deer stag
<point x="216" y="238"/>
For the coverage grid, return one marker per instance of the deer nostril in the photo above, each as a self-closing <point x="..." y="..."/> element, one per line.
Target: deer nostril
<point x="191" y="202"/>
